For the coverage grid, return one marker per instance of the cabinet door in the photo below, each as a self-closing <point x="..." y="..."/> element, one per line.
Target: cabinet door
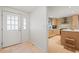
<point x="75" y="22"/>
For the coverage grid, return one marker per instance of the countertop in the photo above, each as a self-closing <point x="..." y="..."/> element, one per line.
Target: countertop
<point x="76" y="30"/>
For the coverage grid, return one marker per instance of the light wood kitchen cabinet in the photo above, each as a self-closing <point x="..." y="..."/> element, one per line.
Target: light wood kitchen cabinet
<point x="54" y="21"/>
<point x="75" y="22"/>
<point x="53" y="32"/>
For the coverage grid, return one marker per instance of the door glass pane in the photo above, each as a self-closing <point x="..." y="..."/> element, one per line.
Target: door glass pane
<point x="8" y="22"/>
<point x="16" y="22"/>
<point x="8" y="27"/>
<point x="12" y="17"/>
<point x="12" y="22"/>
<point x="24" y="23"/>
<point x="12" y="27"/>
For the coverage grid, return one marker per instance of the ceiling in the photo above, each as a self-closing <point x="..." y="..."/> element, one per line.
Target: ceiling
<point x="53" y="11"/>
<point x="28" y="9"/>
<point x="62" y="11"/>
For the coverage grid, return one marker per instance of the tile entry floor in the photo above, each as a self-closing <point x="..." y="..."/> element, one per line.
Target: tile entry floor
<point x="21" y="48"/>
<point x="54" y="45"/>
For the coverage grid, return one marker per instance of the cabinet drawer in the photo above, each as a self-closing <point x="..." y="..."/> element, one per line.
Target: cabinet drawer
<point x="70" y="41"/>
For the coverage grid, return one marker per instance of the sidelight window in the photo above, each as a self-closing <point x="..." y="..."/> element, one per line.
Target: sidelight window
<point x="24" y="23"/>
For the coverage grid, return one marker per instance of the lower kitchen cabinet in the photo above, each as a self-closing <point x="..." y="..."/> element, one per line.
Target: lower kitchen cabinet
<point x="70" y="40"/>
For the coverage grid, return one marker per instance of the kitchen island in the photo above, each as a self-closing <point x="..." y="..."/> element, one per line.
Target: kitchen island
<point x="70" y="39"/>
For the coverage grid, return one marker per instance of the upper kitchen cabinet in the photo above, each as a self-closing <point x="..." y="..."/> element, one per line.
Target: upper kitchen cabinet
<point x="75" y="22"/>
<point x="66" y="20"/>
<point x="66" y="23"/>
<point x="70" y="22"/>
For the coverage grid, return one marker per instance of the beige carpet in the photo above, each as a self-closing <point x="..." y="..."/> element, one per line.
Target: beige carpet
<point x="54" y="45"/>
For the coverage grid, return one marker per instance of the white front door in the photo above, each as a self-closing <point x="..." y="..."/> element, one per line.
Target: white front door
<point x="11" y="29"/>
